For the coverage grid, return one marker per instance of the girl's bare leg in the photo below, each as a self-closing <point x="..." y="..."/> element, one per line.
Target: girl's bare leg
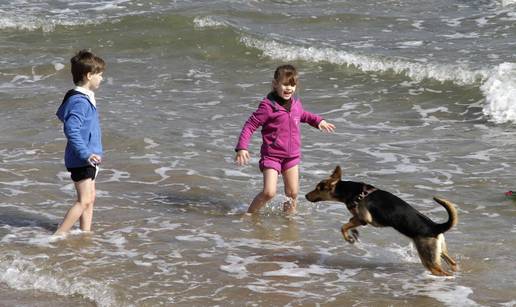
<point x="291" y="181"/>
<point x="270" y="181"/>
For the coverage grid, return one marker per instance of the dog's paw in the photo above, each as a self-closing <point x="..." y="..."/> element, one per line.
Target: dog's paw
<point x="354" y="233"/>
<point x="350" y="239"/>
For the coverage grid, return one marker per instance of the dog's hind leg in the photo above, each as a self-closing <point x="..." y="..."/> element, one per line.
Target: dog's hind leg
<point x="444" y="254"/>
<point x="430" y="253"/>
<point x="452" y="263"/>
<point x="350" y="226"/>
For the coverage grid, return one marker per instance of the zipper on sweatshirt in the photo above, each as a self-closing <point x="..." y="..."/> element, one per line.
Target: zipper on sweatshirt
<point x="290" y="133"/>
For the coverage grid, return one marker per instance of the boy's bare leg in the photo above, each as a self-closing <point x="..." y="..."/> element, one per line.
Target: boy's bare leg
<point x="87" y="215"/>
<point x="270" y="181"/>
<point x="291" y="182"/>
<point x="85" y="189"/>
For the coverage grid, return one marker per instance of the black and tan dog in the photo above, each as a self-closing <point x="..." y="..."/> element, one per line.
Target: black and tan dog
<point x="369" y="205"/>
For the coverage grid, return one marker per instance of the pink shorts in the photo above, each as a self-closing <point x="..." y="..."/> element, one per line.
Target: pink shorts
<point x="278" y="164"/>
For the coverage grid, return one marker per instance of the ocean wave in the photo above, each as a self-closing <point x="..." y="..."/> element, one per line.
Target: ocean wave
<point x="46" y="17"/>
<point x="202" y="22"/>
<point x="507" y="2"/>
<point x="500" y="92"/>
<point x="458" y="74"/>
<point x="43" y="23"/>
<point x="498" y="84"/>
<point x="22" y="274"/>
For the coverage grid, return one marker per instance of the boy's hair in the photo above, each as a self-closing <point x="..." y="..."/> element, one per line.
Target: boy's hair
<point x="286" y="74"/>
<point x="85" y="62"/>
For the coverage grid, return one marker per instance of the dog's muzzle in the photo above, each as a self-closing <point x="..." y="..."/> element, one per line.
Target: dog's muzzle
<point x="311" y="198"/>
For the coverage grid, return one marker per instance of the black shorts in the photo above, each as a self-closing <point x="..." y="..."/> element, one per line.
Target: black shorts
<point x="84" y="172"/>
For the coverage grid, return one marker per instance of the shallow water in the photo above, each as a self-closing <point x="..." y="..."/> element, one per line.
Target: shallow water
<point x="422" y="97"/>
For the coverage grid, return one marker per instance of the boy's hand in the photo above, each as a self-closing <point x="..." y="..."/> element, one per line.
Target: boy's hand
<point x="95" y="159"/>
<point x="242" y="157"/>
<point x="325" y="126"/>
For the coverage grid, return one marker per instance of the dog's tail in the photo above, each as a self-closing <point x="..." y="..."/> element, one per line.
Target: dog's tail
<point x="452" y="215"/>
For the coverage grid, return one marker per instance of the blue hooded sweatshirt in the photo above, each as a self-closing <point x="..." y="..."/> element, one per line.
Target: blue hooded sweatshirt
<point x="81" y="128"/>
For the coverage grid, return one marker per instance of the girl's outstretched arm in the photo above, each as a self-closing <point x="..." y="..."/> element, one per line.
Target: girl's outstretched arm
<point x="255" y="120"/>
<point x="326" y="126"/>
<point x="242" y="157"/>
<point x="317" y="121"/>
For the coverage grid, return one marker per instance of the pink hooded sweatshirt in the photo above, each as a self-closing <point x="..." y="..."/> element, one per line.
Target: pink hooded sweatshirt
<point x="281" y="131"/>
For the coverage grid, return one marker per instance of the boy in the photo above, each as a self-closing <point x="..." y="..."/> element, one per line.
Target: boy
<point x="83" y="153"/>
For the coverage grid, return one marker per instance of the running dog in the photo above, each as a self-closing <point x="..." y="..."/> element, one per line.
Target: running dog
<point x="379" y="208"/>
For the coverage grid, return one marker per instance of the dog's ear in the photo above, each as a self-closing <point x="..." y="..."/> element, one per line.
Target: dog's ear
<point x="336" y="176"/>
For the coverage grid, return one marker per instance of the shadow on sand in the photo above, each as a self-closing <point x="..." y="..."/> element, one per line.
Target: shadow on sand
<point x="22" y="219"/>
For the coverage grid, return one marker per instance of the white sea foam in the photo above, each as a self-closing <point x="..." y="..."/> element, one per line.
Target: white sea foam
<point x="237" y="265"/>
<point x="119" y="242"/>
<point x="290" y="269"/>
<point x="58" y="66"/>
<point x="33" y="23"/>
<point x="22" y="274"/>
<point x="500" y="92"/>
<point x="483" y="155"/>
<point x="443" y="291"/>
<point x="296" y="293"/>
<point x="114" y="175"/>
<point x="151" y="143"/>
<point x="407" y="253"/>
<point x="30" y="235"/>
<point x="235" y="173"/>
<point x="461" y="35"/>
<point x="410" y="44"/>
<point x="507" y="2"/>
<point x="110" y="5"/>
<point x="208" y="22"/>
<point x="425" y="112"/>
<point x="10" y="192"/>
<point x="198" y="74"/>
<point x="191" y="238"/>
<point x="458" y="74"/>
<point x="34" y="16"/>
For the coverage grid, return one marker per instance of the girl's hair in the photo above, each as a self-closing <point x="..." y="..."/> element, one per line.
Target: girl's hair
<point x="85" y="62"/>
<point x="286" y="74"/>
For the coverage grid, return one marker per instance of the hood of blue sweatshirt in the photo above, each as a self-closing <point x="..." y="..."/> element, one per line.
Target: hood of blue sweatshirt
<point x="81" y="127"/>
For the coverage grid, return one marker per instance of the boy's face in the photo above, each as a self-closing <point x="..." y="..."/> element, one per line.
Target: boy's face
<point x="284" y="89"/>
<point x="94" y="80"/>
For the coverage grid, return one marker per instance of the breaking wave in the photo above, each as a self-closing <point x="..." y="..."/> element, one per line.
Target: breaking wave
<point x="23" y="274"/>
<point x="500" y="92"/>
<point x="498" y="85"/>
<point x="417" y="71"/>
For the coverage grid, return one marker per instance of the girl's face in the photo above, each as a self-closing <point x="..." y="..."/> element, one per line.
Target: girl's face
<point x="284" y="90"/>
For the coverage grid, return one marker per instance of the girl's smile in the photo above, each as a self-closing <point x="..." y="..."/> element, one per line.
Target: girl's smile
<point x="285" y="91"/>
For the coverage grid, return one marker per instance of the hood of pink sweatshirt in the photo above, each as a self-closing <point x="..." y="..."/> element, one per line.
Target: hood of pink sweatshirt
<point x="281" y="131"/>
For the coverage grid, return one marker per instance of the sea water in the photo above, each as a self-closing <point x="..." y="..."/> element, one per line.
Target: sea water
<point x="422" y="95"/>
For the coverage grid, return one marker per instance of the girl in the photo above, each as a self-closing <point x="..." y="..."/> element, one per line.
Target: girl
<point x="280" y="115"/>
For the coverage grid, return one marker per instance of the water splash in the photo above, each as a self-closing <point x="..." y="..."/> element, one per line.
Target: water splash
<point x="500" y="92"/>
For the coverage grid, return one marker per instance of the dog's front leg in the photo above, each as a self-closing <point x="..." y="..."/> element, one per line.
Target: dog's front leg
<point x="353" y="223"/>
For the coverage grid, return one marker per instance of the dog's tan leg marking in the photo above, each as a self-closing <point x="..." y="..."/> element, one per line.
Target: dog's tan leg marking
<point x="353" y="223"/>
<point x="444" y="254"/>
<point x="430" y="252"/>
<point x="451" y="262"/>
<point x="439" y="272"/>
